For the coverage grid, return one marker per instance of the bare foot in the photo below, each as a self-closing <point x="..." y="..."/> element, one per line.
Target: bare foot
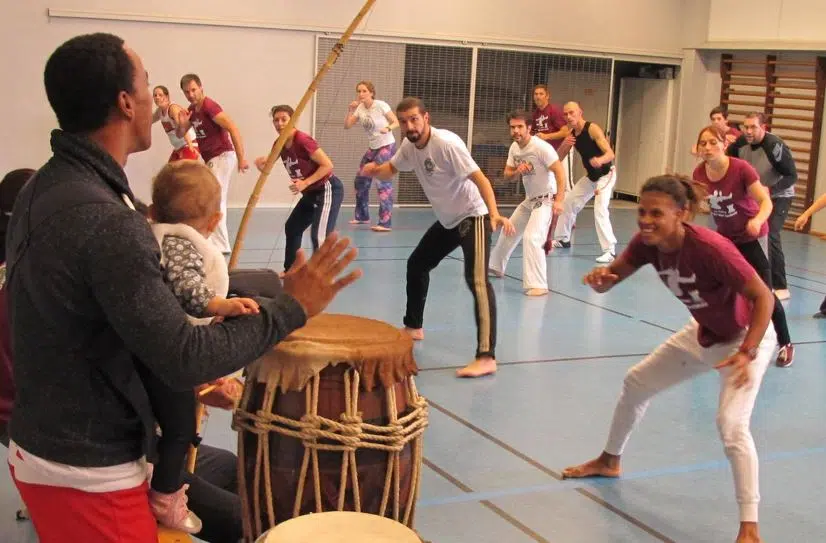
<point x="748" y="533"/>
<point x="416" y="333"/>
<point x="479" y="367"/>
<point x="536" y="292"/>
<point x="495" y="273"/>
<point x="379" y="228"/>
<point x="606" y="465"/>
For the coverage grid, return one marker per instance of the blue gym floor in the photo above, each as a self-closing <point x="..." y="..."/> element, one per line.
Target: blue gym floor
<point x="495" y="446"/>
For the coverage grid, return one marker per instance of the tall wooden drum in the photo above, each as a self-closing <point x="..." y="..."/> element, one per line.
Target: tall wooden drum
<point x="331" y="420"/>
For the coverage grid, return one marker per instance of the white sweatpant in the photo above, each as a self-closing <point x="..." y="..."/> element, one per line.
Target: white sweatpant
<point x="223" y="166"/>
<point x="681" y="358"/>
<point x="531" y="219"/>
<point x="576" y="199"/>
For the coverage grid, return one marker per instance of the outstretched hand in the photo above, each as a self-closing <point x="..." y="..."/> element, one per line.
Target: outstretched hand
<point x="315" y="282"/>
<point x="740" y="364"/>
<point x="601" y="279"/>
<point x="507" y="226"/>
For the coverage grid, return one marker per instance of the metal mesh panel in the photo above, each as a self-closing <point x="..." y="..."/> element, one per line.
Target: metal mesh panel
<point x="505" y="80"/>
<point x="440" y="76"/>
<point x="378" y="62"/>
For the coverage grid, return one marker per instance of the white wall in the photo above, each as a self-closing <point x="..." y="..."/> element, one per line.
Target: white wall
<point x="699" y="92"/>
<point x="244" y="80"/>
<point x="759" y="20"/>
<point x="248" y="68"/>
<point x="590" y="24"/>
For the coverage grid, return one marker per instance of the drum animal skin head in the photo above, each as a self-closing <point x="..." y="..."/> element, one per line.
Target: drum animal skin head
<point x="340" y="527"/>
<point x="380" y="352"/>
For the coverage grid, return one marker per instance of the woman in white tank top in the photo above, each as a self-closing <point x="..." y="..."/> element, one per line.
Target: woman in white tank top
<point x="185" y="148"/>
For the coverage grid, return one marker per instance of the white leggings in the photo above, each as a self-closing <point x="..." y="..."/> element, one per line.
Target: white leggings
<point x="678" y="359"/>
<point x="223" y="167"/>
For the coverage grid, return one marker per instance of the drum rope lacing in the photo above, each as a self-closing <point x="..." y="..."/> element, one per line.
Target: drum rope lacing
<point x="347" y="435"/>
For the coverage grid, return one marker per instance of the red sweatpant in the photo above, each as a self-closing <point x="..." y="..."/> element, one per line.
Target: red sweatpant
<point x="65" y="514"/>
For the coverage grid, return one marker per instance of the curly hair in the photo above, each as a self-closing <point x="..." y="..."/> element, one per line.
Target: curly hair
<point x="83" y="78"/>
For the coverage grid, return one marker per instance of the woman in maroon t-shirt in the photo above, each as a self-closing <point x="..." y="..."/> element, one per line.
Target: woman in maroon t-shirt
<point x="311" y="175"/>
<point x="730" y="306"/>
<point x="740" y="206"/>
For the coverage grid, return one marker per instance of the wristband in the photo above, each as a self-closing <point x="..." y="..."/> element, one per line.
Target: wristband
<point x="751" y="353"/>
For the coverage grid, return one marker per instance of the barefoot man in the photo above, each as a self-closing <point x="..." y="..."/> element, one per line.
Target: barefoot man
<point x="463" y="201"/>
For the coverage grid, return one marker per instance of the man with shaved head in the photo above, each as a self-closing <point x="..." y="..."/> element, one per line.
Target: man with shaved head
<point x="598" y="183"/>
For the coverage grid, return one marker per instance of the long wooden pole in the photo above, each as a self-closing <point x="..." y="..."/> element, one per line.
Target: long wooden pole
<point x="338" y="48"/>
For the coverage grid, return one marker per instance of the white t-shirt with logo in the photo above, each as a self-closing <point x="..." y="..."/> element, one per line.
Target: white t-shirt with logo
<point x="540" y="155"/>
<point x="373" y="120"/>
<point x="443" y="168"/>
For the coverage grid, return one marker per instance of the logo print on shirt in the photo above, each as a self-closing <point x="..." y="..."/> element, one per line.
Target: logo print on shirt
<point x="719" y="208"/>
<point x="542" y="123"/>
<point x="681" y="287"/>
<point x="777" y="151"/>
<point x="200" y="133"/>
<point x="429" y="166"/>
<point x="368" y="123"/>
<point x="531" y="169"/>
<point x="291" y="162"/>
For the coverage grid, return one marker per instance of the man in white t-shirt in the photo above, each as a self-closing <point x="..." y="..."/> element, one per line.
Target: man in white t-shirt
<point x="544" y="179"/>
<point x="464" y="204"/>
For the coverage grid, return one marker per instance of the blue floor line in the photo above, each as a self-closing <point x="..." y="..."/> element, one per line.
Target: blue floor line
<point x="572" y="484"/>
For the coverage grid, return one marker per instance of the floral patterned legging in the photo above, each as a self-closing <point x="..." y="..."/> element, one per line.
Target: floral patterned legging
<point x="385" y="188"/>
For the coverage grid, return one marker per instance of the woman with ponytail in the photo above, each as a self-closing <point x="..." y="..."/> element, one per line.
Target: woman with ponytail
<point x="729" y="331"/>
<point x="741" y="206"/>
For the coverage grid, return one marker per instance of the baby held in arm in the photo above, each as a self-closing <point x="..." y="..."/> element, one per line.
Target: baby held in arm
<point x="185" y="210"/>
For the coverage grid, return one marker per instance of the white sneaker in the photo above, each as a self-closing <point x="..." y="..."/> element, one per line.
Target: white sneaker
<point x="606" y="258"/>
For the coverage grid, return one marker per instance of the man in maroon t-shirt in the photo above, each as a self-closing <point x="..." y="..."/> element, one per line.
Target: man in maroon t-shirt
<point x="549" y="124"/>
<point x="213" y="129"/>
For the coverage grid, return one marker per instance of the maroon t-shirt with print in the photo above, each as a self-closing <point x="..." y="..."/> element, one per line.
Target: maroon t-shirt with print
<point x="298" y="162"/>
<point x="730" y="202"/>
<point x="548" y="120"/>
<point x="212" y="138"/>
<point x="708" y="275"/>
